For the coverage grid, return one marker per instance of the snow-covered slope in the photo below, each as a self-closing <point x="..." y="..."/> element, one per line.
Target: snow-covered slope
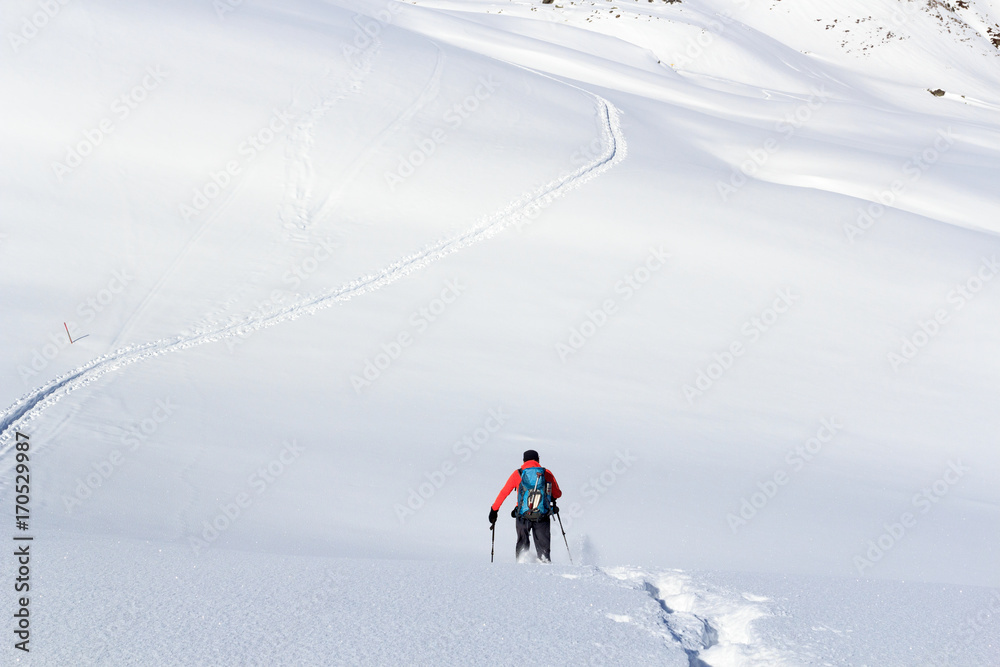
<point x="727" y="265"/>
<point x="254" y="608"/>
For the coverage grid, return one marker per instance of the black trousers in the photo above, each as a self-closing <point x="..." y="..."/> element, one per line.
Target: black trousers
<point x="542" y="535"/>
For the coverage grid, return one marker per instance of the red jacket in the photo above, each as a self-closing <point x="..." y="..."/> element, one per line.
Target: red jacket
<point x="515" y="479"/>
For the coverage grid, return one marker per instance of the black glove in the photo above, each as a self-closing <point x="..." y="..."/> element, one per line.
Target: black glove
<point x="493" y="516"/>
<point x="555" y="508"/>
<point x="513" y="513"/>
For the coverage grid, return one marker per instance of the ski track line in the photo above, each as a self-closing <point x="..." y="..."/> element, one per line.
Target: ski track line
<point x="360" y="73"/>
<point x="300" y="186"/>
<point x="300" y="154"/>
<point x="356" y="80"/>
<point x="300" y="177"/>
<point x="428" y="94"/>
<point x="32" y="404"/>
<point x="172" y="268"/>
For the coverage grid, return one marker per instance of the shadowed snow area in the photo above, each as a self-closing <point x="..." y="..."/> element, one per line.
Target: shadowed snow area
<point x="289" y="287"/>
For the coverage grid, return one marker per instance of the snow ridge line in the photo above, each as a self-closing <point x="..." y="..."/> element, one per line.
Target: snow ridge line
<point x="32" y="404"/>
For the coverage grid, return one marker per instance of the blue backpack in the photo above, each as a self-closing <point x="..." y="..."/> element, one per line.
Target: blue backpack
<point x="534" y="495"/>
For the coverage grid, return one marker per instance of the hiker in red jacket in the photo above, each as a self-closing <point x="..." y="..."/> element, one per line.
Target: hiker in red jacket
<point x="537" y="491"/>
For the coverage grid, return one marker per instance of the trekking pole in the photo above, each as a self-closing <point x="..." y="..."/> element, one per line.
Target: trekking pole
<point x="564" y="539"/>
<point x="493" y="539"/>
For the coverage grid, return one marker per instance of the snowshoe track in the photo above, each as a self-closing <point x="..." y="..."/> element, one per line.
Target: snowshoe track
<point x="711" y="624"/>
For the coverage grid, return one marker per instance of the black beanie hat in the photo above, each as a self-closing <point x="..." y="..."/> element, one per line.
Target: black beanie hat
<point x="530" y="455"/>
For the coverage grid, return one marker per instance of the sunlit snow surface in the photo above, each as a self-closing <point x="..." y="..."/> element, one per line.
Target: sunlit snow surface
<point x="728" y="266"/>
